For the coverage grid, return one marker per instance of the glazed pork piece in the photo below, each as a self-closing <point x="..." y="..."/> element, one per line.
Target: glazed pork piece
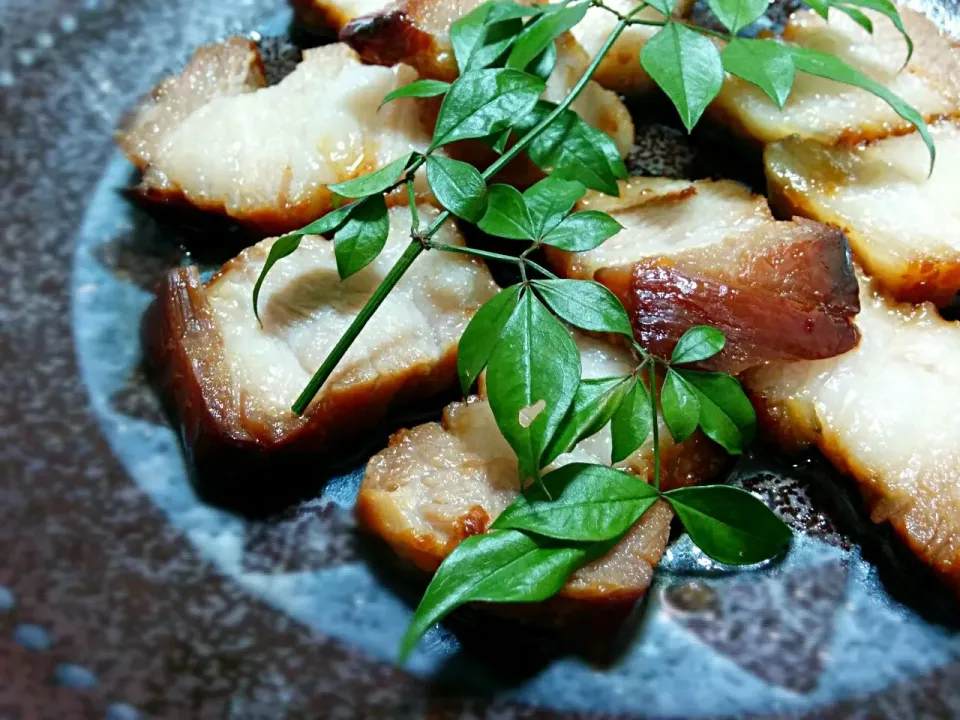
<point x="439" y="483"/>
<point x="620" y="71"/>
<point x="216" y="138"/>
<point x="710" y="253"/>
<point x="231" y="382"/>
<point x="416" y="32"/>
<point x="904" y="226"/>
<point x="884" y="413"/>
<point x="826" y="111"/>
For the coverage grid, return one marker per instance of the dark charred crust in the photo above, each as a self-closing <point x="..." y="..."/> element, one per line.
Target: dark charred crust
<point x="393" y="37"/>
<point x="318" y="16"/>
<point x="234" y="456"/>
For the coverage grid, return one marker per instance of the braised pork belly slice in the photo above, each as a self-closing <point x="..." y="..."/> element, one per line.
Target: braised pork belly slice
<point x="417" y="32"/>
<point x="439" y="483"/>
<point x="620" y="70"/>
<point x="232" y="382"/>
<point x="827" y="111"/>
<point x="710" y="253"/>
<point x="265" y="155"/>
<point x="225" y="69"/>
<point x="904" y="226"/>
<point x="884" y="413"/>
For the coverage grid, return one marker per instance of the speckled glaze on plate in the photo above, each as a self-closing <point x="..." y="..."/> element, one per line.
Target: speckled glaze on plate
<point x="123" y="596"/>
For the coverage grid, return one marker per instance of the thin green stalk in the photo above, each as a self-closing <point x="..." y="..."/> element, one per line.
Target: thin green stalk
<point x="486" y="254"/>
<point x="412" y="200"/>
<point x="343" y="344"/>
<point x="655" y="425"/>
<point x="420" y="241"/>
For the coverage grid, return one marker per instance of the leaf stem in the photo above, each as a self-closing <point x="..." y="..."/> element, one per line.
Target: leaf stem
<point x="421" y="240"/>
<point x="655" y="425"/>
<point x="414" y="215"/>
<point x="486" y="254"/>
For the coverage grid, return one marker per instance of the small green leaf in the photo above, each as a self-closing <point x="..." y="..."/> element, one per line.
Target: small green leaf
<point x="482" y="334"/>
<point x="500" y="143"/>
<point x="549" y="201"/>
<point x="418" y="89"/>
<point x="583" y="231"/>
<point x="544" y="63"/>
<point x="375" y="182"/>
<point x="480" y="37"/>
<point x="728" y="524"/>
<point x="572" y="149"/>
<point x="765" y="63"/>
<point x="737" y="14"/>
<point x="664" y="6"/>
<point x="359" y="242"/>
<point x="631" y="423"/>
<point x="287" y="244"/>
<point x="858" y="17"/>
<point x="680" y="406"/>
<point x="821" y="64"/>
<point x="726" y="413"/>
<point x="585" y="304"/>
<point x="687" y="66"/>
<point x="484" y="102"/>
<point x="593" y="406"/>
<point x="540" y="34"/>
<point x="458" y="186"/>
<point x="506" y="214"/>
<point x="532" y="377"/>
<point x="503" y="566"/>
<point x="698" y="343"/>
<point x="591" y="503"/>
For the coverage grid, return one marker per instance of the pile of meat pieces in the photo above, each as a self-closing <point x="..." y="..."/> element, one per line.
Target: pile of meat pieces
<point x="817" y="334"/>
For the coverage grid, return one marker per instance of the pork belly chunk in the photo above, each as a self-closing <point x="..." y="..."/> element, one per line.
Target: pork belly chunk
<point x="884" y="413"/>
<point x="439" y="483"/>
<point x="417" y="32"/>
<point x="904" y="226"/>
<point x="710" y="253"/>
<point x="232" y="382"/>
<point x="214" y="139"/>
<point x="828" y="112"/>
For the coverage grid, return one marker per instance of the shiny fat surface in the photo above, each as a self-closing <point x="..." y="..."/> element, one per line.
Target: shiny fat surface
<point x="662" y="216"/>
<point x="266" y="157"/>
<point x="305" y="308"/>
<point x="828" y="111"/>
<point x="885" y="413"/>
<point x="903" y="225"/>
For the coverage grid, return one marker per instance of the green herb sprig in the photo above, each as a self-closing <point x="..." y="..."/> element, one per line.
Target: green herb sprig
<point x="568" y="516"/>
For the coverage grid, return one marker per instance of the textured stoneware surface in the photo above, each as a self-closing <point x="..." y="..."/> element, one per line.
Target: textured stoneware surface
<point x="123" y="596"/>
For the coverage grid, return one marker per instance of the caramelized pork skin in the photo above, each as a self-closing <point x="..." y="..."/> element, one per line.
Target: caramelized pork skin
<point x="710" y="253"/>
<point x="904" y="227"/>
<point x="439" y="483"/>
<point x="217" y="139"/>
<point x="231" y="382"/>
<point x="884" y="413"/>
<point x="830" y="112"/>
